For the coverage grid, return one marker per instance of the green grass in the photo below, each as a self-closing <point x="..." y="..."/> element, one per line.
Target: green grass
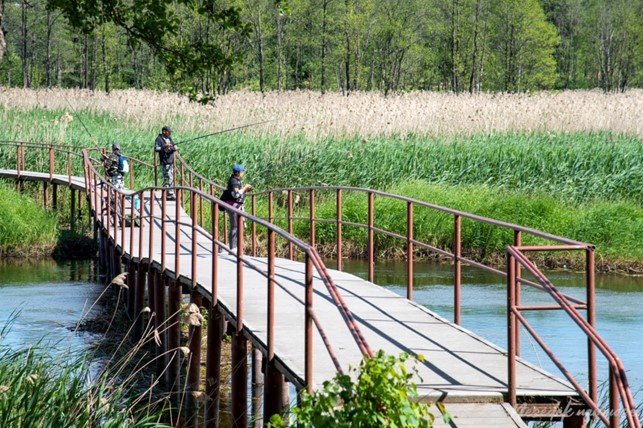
<point x="25" y="227"/>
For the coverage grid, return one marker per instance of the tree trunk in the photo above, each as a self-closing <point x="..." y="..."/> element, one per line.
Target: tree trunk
<point x="454" y="46"/>
<point x="3" y="43"/>
<point x="322" y="70"/>
<point x="347" y="67"/>
<point x="50" y="25"/>
<point x="23" y="51"/>
<point x="474" y="53"/>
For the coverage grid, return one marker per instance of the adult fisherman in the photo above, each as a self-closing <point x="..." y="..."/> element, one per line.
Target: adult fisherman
<point x="166" y="148"/>
<point x="114" y="166"/>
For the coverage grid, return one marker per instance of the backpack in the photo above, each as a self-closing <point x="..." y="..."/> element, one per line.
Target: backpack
<point x="123" y="165"/>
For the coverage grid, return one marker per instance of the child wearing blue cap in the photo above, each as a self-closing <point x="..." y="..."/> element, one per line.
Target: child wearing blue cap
<point x="235" y="195"/>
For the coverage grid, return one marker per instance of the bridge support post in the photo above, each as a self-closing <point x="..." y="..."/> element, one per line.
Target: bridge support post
<point x="213" y="366"/>
<point x="194" y="367"/>
<point x="116" y="260"/>
<point x="139" y="300"/>
<point x="239" y="380"/>
<point x="72" y="211"/>
<point x="45" y="194"/>
<point x="54" y="196"/>
<point x="174" y="339"/>
<point x="151" y="293"/>
<point x="576" y="420"/>
<point x="275" y="392"/>
<point x="131" y="291"/>
<point x="159" y="323"/>
<point x="257" y="383"/>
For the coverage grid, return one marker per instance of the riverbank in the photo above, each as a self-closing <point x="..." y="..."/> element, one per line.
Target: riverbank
<point x="28" y="231"/>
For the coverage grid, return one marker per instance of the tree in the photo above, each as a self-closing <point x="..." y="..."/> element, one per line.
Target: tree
<point x="3" y="43"/>
<point x="157" y="24"/>
<point x="526" y="43"/>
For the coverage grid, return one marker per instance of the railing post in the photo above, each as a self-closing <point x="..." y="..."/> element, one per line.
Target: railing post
<point x="121" y="197"/>
<point x="177" y="234"/>
<point x="194" y="249"/>
<point x="291" y="248"/>
<point x="51" y="163"/>
<point x="312" y="217"/>
<point x="163" y="228"/>
<point x="309" y="351"/>
<point x="371" y="243"/>
<point x="201" y="203"/>
<point x="409" y="250"/>
<point x="18" y="166"/>
<point x="613" y="398"/>
<point x="271" y="218"/>
<point x="517" y="243"/>
<point x="239" y="345"/>
<point x="253" y="226"/>
<point x="273" y="379"/>
<point x="457" y="268"/>
<point x="156" y="161"/>
<point x="591" y="319"/>
<point x="511" y="324"/>
<point x="131" y="228"/>
<point x="339" y="243"/>
<point x="69" y="168"/>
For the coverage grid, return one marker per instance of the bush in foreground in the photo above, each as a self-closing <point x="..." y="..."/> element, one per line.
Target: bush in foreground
<point x="378" y="393"/>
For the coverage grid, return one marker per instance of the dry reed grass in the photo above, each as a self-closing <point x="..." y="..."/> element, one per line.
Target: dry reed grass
<point x="361" y="114"/>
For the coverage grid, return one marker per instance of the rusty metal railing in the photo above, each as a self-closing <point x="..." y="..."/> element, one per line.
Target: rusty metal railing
<point x="103" y="194"/>
<point x="619" y="389"/>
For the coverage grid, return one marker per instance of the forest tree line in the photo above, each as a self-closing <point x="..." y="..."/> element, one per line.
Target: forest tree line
<point x="342" y="45"/>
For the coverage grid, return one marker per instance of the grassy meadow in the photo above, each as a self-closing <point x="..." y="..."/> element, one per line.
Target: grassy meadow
<point x="568" y="163"/>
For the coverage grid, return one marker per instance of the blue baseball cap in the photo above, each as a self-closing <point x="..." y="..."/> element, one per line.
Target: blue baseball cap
<point x="238" y="168"/>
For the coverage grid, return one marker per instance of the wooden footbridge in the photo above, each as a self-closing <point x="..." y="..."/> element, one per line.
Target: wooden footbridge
<point x="305" y="321"/>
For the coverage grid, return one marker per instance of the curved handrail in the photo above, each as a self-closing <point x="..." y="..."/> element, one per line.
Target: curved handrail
<point x="617" y="371"/>
<point x="309" y="251"/>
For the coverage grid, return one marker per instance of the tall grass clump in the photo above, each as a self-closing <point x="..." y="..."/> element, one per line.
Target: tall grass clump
<point x="575" y="166"/>
<point x="25" y="227"/>
<point x="40" y="390"/>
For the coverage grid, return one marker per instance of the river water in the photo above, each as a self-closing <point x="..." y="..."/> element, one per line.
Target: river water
<point x="619" y="318"/>
<point x="47" y="299"/>
<point x="52" y="297"/>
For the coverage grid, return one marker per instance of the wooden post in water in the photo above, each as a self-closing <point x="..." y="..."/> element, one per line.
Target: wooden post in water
<point x="132" y="290"/>
<point x="45" y="194"/>
<point x="72" y="211"/>
<point x="194" y="366"/>
<point x="257" y="385"/>
<point x="213" y="366"/>
<point x="54" y="196"/>
<point x="174" y="339"/>
<point x="139" y="299"/>
<point x="159" y="321"/>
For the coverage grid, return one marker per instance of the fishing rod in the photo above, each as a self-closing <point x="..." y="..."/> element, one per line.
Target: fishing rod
<point x="224" y="131"/>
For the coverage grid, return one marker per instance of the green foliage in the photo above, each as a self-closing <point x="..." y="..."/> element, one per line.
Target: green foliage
<point x="380" y="393"/>
<point x="206" y="47"/>
<point x="36" y="390"/>
<point x="24" y="226"/>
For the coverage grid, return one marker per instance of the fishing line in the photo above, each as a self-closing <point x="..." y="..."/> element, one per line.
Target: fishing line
<point x="224" y="131"/>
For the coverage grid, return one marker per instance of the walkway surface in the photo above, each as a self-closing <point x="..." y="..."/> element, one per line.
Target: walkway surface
<point x="461" y="368"/>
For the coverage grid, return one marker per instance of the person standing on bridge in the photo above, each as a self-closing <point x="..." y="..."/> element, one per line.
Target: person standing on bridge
<point x="166" y="148"/>
<point x="235" y="195"/>
<point x="115" y="166"/>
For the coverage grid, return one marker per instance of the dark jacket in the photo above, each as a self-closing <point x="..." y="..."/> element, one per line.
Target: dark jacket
<point x="111" y="164"/>
<point x="166" y="155"/>
<point x="232" y="194"/>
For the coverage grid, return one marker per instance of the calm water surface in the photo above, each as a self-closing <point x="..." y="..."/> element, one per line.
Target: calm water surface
<point x="618" y="312"/>
<point x="48" y="299"/>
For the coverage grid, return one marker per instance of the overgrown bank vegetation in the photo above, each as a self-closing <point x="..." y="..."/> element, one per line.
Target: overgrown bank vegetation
<point x="25" y="228"/>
